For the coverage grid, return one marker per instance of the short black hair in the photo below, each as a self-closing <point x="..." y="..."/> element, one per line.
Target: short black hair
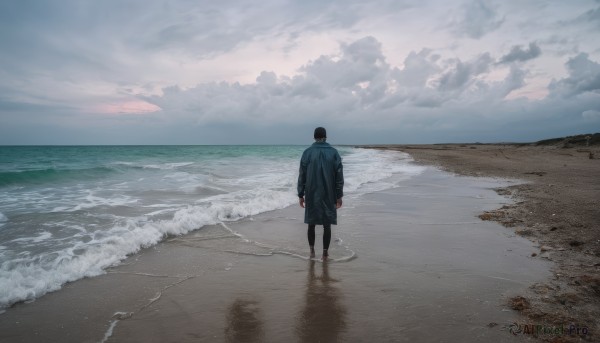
<point x="320" y="133"/>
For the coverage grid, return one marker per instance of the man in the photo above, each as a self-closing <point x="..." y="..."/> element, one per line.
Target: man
<point x="320" y="188"/>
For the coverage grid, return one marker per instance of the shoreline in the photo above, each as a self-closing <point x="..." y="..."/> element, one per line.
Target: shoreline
<point x="409" y="263"/>
<point x="558" y="207"/>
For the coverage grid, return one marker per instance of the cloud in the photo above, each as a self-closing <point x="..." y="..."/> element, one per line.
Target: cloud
<point x="496" y="91"/>
<point x="479" y="18"/>
<point x="418" y="69"/>
<point x="357" y="84"/>
<point x="561" y="45"/>
<point x="428" y="80"/>
<point x="358" y="88"/>
<point x="584" y="76"/>
<point x="592" y="16"/>
<point x="207" y="67"/>
<point x="335" y="85"/>
<point x="464" y="72"/>
<point x="519" y="54"/>
<point x="66" y="51"/>
<point x="591" y="115"/>
<point x="360" y="61"/>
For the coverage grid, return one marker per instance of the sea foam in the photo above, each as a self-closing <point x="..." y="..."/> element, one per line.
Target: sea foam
<point x="89" y="248"/>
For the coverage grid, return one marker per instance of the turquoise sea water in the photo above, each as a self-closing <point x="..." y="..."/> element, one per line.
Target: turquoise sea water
<point x="67" y="212"/>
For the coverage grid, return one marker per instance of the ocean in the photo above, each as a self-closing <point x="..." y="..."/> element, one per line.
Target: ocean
<point x="69" y="212"/>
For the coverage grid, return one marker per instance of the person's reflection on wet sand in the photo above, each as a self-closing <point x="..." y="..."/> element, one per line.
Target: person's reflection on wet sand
<point x="243" y="323"/>
<point x="323" y="317"/>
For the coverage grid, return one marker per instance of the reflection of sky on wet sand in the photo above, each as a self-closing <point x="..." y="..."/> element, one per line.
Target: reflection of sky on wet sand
<point x="323" y="318"/>
<point x="243" y="322"/>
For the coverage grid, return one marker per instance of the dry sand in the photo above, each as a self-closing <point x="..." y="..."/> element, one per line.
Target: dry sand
<point x="558" y="207"/>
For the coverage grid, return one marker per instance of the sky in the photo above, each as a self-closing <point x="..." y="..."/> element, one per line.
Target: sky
<point x="270" y="71"/>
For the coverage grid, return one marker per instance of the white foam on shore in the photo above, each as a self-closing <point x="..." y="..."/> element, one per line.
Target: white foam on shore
<point x="28" y="277"/>
<point x="273" y="250"/>
<point x="167" y="166"/>
<point x="91" y="200"/>
<point x="367" y="170"/>
<point x="163" y="166"/>
<point x="43" y="236"/>
<point x="110" y="330"/>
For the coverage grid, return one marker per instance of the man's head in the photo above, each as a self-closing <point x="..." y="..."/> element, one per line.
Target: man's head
<point x="320" y="134"/>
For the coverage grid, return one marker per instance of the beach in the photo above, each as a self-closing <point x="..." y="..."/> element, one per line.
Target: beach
<point x="557" y="208"/>
<point x="410" y="261"/>
<point x="163" y="165"/>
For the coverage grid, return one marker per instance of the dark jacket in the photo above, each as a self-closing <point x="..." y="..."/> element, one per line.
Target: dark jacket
<point x="321" y="183"/>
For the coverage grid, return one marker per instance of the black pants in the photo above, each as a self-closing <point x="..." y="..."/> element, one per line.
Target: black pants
<point x="326" y="235"/>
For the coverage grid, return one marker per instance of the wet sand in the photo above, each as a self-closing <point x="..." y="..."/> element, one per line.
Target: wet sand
<point x="558" y="208"/>
<point x="409" y="264"/>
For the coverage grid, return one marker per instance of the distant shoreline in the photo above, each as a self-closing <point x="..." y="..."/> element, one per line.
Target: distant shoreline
<point x="582" y="140"/>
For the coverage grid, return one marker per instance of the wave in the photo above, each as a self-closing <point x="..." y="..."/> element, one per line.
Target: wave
<point x="48" y="175"/>
<point x="42" y="176"/>
<point x="163" y="166"/>
<point x="29" y="277"/>
<point x="364" y="173"/>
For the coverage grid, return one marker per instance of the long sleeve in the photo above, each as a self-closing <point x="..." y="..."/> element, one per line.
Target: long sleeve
<point x="302" y="176"/>
<point x="339" y="177"/>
